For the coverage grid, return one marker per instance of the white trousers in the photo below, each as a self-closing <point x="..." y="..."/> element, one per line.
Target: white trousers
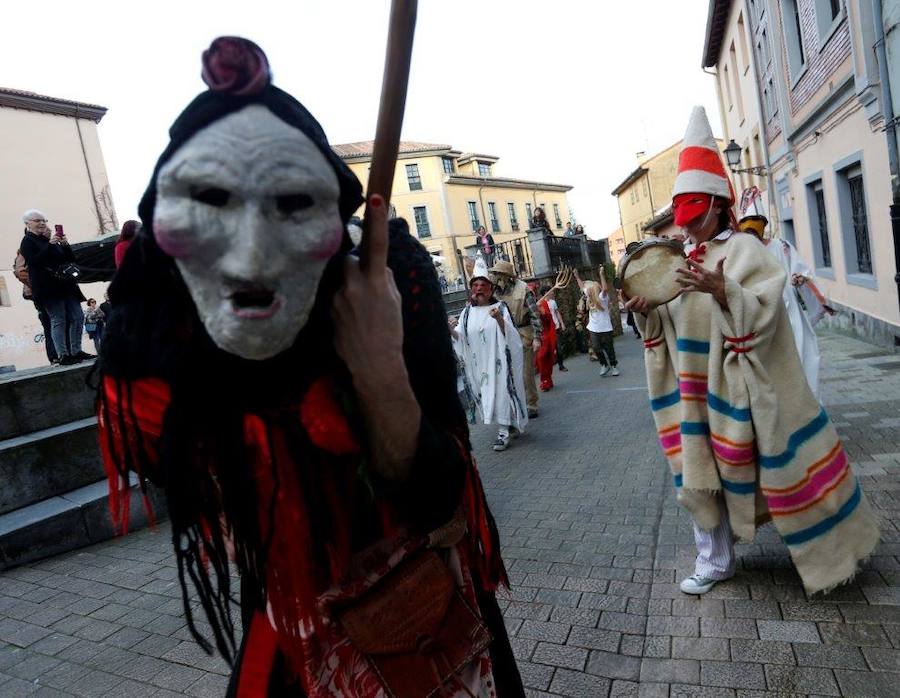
<point x="715" y="549"/>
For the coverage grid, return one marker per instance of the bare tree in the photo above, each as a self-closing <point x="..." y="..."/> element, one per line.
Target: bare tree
<point x="106" y="212"/>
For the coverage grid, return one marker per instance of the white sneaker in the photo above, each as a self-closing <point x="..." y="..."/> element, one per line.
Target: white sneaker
<point x="501" y="443"/>
<point x="604" y="370"/>
<point x="697" y="585"/>
<point x="614" y="371"/>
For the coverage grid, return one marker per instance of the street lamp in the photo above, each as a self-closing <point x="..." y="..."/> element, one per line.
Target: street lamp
<point x="733" y="157"/>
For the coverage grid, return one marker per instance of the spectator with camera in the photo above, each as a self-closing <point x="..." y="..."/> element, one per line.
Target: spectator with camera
<point x="52" y="275"/>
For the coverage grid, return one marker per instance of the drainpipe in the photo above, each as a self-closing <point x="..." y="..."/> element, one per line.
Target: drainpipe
<point x="890" y="131"/>
<point x="87" y="167"/>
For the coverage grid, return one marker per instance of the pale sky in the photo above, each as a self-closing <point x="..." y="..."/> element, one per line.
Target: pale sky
<point x="564" y="91"/>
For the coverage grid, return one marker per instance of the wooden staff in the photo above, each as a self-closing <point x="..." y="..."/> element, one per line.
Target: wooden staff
<point x="393" y="102"/>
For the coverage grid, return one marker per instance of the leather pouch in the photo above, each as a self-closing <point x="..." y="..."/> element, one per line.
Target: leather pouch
<point x="416" y="629"/>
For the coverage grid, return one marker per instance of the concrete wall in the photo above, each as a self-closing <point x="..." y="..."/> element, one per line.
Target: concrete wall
<point x="42" y="167"/>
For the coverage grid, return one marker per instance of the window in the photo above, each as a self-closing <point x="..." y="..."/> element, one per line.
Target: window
<point x="793" y="35"/>
<point x="449" y="167"/>
<point x="412" y="176"/>
<point x="735" y="76"/>
<point x="513" y="219"/>
<point x="860" y="220"/>
<point x="762" y="48"/>
<point x="423" y="230"/>
<point x="828" y="16"/>
<point x="5" y="300"/>
<point x="556" y="215"/>
<point x="819" y="224"/>
<point x="492" y="214"/>
<point x="726" y="87"/>
<point x="742" y="37"/>
<point x="646" y="191"/>
<point x="484" y="170"/>
<point x="473" y="216"/>
<point x="631" y="194"/>
<point x="528" y="214"/>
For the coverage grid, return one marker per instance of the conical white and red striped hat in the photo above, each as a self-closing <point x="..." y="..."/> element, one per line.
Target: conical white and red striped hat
<point x="700" y="169"/>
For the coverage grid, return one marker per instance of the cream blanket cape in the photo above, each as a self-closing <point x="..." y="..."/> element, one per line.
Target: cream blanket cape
<point x="735" y="416"/>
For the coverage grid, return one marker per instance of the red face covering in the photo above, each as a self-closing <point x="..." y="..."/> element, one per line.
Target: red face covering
<point x="689" y="206"/>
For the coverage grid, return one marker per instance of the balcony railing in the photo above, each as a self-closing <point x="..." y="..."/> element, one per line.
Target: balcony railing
<point x="564" y="252"/>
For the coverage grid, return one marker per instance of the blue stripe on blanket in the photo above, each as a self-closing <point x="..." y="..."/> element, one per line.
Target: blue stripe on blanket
<point x="694" y="429"/>
<point x="795" y="441"/>
<point x="738" y="414"/>
<point x="695" y="346"/>
<point x="663" y="401"/>
<point x="739" y="487"/>
<point x="678" y="479"/>
<point x="807" y="534"/>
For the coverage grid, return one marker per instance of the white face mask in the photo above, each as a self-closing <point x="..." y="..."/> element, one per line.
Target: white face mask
<point x="248" y="208"/>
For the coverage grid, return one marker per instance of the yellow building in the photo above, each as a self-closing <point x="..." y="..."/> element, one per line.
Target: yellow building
<point x="616" y="243"/>
<point x="647" y="191"/>
<point x="446" y="194"/>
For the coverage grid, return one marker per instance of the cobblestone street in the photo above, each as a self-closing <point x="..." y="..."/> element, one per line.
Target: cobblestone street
<point x="595" y="546"/>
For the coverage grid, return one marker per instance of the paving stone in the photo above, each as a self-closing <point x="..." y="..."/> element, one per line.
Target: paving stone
<point x="535" y="675"/>
<point x="881" y="659"/>
<point x="684" y="691"/>
<point x="673" y="626"/>
<point x="659" y="647"/>
<point x="732" y="674"/>
<point x="728" y="627"/>
<point x="788" y="630"/>
<point x="670" y="670"/>
<point x="700" y="648"/>
<point x="176" y="677"/>
<point x="558" y="597"/>
<point x="603" y="602"/>
<point x="817" y="613"/>
<point x="574" y="616"/>
<point x="94" y="683"/>
<point x="595" y="639"/>
<point x="549" y="632"/>
<point x="625" y="689"/>
<point x="614" y="666"/>
<point x="653" y="690"/>
<point x="632" y="645"/>
<point x="829" y="656"/>
<point x="578" y="684"/>
<point x="749" y="608"/>
<point x="560" y="655"/>
<point x="866" y="684"/>
<point x="624" y="622"/>
<point x="802" y="680"/>
<point x="762" y="651"/>
<point x="32" y="667"/>
<point x="857" y="634"/>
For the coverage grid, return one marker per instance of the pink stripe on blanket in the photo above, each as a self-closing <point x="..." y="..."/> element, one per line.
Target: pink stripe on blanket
<point x="817" y="485"/>
<point x="732" y="453"/>
<point x="692" y="387"/>
<point x="670" y="440"/>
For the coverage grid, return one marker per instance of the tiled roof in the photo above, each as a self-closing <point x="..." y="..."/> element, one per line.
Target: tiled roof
<point x="32" y="101"/>
<point x="365" y="148"/>
<point x="633" y="177"/>
<point x="661" y="219"/>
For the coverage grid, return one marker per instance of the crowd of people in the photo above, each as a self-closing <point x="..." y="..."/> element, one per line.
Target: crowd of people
<point x="45" y="265"/>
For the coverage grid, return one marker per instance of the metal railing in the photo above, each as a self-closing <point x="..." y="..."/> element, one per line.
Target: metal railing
<point x="597" y="252"/>
<point x="517" y="251"/>
<point x="564" y="252"/>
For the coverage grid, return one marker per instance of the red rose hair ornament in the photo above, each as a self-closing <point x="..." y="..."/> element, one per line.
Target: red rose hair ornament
<point x="235" y="65"/>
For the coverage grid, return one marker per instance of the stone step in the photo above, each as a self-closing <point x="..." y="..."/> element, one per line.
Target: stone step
<point x="72" y="520"/>
<point x="49" y="462"/>
<point x="42" y="398"/>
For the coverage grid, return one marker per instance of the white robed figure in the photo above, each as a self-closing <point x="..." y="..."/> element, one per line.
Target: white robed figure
<point x="804" y="304"/>
<point x="804" y="308"/>
<point x="490" y="352"/>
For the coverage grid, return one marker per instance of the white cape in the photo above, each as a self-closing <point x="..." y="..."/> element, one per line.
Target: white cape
<point x="802" y="320"/>
<point x="492" y="366"/>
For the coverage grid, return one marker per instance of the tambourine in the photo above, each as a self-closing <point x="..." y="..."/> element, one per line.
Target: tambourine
<point x="649" y="271"/>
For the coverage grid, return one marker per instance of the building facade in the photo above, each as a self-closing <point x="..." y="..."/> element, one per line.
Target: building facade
<point x="51" y="161"/>
<point x="446" y="195"/>
<point x="809" y="67"/>
<point x="646" y="191"/>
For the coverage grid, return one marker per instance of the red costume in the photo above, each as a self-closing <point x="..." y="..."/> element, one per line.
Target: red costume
<point x="546" y="355"/>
